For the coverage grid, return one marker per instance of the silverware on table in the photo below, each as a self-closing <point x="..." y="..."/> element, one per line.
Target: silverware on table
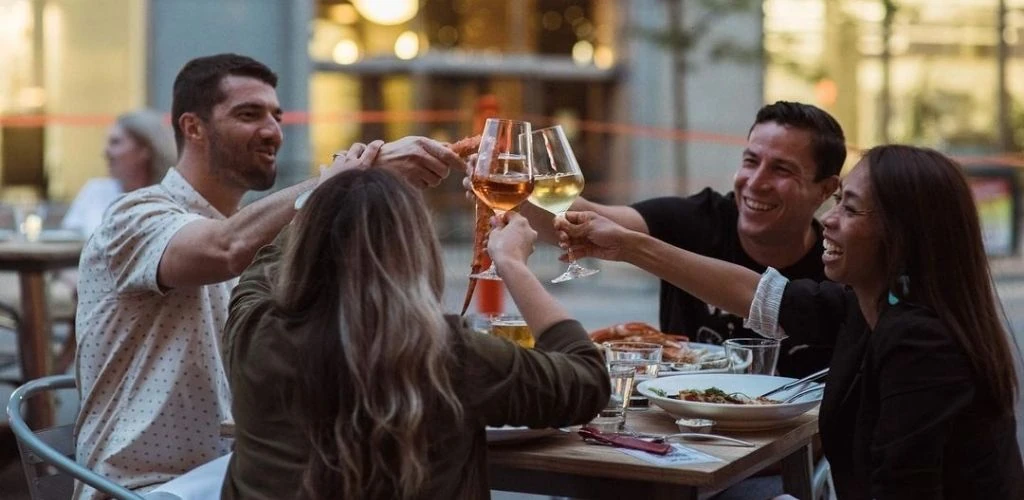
<point x="803" y="392"/>
<point x="808" y="379"/>
<point x="693" y="436"/>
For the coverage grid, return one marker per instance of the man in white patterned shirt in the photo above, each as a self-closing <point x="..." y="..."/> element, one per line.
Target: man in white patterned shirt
<point x="155" y="279"/>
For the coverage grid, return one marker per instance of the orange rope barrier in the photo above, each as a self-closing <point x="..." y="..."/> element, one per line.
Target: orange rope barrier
<point x="1007" y="159"/>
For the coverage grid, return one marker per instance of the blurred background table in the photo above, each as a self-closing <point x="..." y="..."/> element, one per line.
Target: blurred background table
<point x="31" y="260"/>
<point x="564" y="465"/>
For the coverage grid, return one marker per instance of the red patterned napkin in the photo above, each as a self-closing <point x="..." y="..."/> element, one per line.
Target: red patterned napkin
<point x="624" y="441"/>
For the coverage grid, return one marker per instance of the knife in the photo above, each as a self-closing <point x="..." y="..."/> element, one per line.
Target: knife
<point x="592" y="434"/>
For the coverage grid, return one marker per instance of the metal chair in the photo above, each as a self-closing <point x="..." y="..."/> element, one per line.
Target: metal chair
<point x="48" y="455"/>
<point x="821" y="481"/>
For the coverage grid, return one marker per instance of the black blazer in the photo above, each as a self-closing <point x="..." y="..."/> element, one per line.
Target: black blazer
<point x="902" y="416"/>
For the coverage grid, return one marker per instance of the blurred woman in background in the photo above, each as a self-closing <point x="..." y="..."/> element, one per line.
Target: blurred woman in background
<point x="920" y="396"/>
<point x="349" y="381"/>
<point x="139" y="150"/>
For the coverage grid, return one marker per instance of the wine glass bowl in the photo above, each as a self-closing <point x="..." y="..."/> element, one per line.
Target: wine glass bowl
<point x="558" y="181"/>
<point x="502" y="177"/>
<point x="505" y="189"/>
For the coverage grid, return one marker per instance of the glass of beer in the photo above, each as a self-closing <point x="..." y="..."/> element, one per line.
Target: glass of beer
<point x="513" y="328"/>
<point x="557" y="182"/>
<point x="502" y="177"/>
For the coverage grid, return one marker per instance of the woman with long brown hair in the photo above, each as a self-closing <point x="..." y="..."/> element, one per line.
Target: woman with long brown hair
<point x="348" y="379"/>
<point x="919" y="401"/>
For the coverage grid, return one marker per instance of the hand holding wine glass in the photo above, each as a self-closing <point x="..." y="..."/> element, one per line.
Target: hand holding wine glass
<point x="558" y="181"/>
<point x="511" y="239"/>
<point x="502" y="177"/>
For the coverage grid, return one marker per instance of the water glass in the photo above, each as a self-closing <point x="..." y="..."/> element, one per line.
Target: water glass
<point x="644" y="357"/>
<point x="756" y="356"/>
<point x="29" y="219"/>
<point x="613" y="417"/>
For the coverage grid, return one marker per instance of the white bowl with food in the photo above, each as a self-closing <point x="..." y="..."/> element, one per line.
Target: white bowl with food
<point x="729" y="399"/>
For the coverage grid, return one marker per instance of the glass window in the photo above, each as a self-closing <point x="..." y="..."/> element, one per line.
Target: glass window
<point x="51" y="52"/>
<point x="936" y="86"/>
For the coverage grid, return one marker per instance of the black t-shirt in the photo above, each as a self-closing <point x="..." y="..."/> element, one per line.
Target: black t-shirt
<point x="705" y="223"/>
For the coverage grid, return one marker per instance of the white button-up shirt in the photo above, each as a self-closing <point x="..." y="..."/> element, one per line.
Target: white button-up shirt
<point x="149" y="369"/>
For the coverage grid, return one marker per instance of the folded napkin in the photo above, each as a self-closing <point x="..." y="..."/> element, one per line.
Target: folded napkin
<point x="202" y="483"/>
<point x="611" y="439"/>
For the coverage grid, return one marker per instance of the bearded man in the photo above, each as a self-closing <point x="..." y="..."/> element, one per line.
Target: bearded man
<point x="156" y="276"/>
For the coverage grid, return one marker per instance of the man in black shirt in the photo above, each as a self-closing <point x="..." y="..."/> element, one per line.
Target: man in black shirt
<point x="790" y="165"/>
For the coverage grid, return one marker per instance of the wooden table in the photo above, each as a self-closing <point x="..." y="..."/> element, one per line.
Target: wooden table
<point x="31" y="260"/>
<point x="564" y="465"/>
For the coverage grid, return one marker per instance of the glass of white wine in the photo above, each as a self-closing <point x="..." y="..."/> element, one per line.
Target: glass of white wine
<point x="557" y="182"/>
<point x="502" y="177"/>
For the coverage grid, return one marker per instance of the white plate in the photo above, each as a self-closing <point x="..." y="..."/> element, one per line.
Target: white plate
<point x="510" y="433"/>
<point x="729" y="416"/>
<point x="709" y="350"/>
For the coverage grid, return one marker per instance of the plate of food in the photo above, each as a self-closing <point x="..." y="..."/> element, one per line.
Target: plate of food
<point x="700" y="358"/>
<point x="509" y="433"/>
<point x="678" y="355"/>
<point x="730" y="399"/>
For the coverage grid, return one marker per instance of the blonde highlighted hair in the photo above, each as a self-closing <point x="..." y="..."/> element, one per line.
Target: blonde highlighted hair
<point x="362" y="281"/>
<point x="150" y="130"/>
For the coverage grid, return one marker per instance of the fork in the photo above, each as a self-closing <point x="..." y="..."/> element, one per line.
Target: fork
<point x="696" y="436"/>
<point x="810" y="378"/>
<point x="801" y="393"/>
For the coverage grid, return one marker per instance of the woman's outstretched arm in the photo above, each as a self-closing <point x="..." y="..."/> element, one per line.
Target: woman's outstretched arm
<point x="725" y="285"/>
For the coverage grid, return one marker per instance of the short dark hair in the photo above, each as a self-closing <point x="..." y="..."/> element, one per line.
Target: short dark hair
<point x="197" y="86"/>
<point x="828" y="141"/>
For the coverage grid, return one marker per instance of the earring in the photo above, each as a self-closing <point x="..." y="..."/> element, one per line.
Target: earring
<point x="904" y="283"/>
<point x="893" y="300"/>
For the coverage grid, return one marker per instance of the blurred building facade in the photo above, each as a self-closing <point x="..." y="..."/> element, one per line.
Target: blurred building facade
<point x="945" y="74"/>
<point x="657" y="94"/>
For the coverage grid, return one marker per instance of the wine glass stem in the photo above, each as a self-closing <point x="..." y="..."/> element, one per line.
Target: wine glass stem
<point x="568" y="246"/>
<point x="572" y="258"/>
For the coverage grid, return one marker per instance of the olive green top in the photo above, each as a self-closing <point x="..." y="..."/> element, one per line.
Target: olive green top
<point x="562" y="381"/>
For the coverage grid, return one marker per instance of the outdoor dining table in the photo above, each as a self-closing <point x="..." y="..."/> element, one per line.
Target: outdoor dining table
<point x="31" y="260"/>
<point x="564" y="465"/>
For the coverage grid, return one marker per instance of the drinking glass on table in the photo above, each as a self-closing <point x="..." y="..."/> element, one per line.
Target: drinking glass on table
<point x="29" y="218"/>
<point x="756" y="356"/>
<point x="613" y="417"/>
<point x="557" y="182"/>
<point x="503" y="176"/>
<point x="644" y="357"/>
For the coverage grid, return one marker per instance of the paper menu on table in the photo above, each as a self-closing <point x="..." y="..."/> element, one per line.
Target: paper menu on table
<point x="680" y="455"/>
